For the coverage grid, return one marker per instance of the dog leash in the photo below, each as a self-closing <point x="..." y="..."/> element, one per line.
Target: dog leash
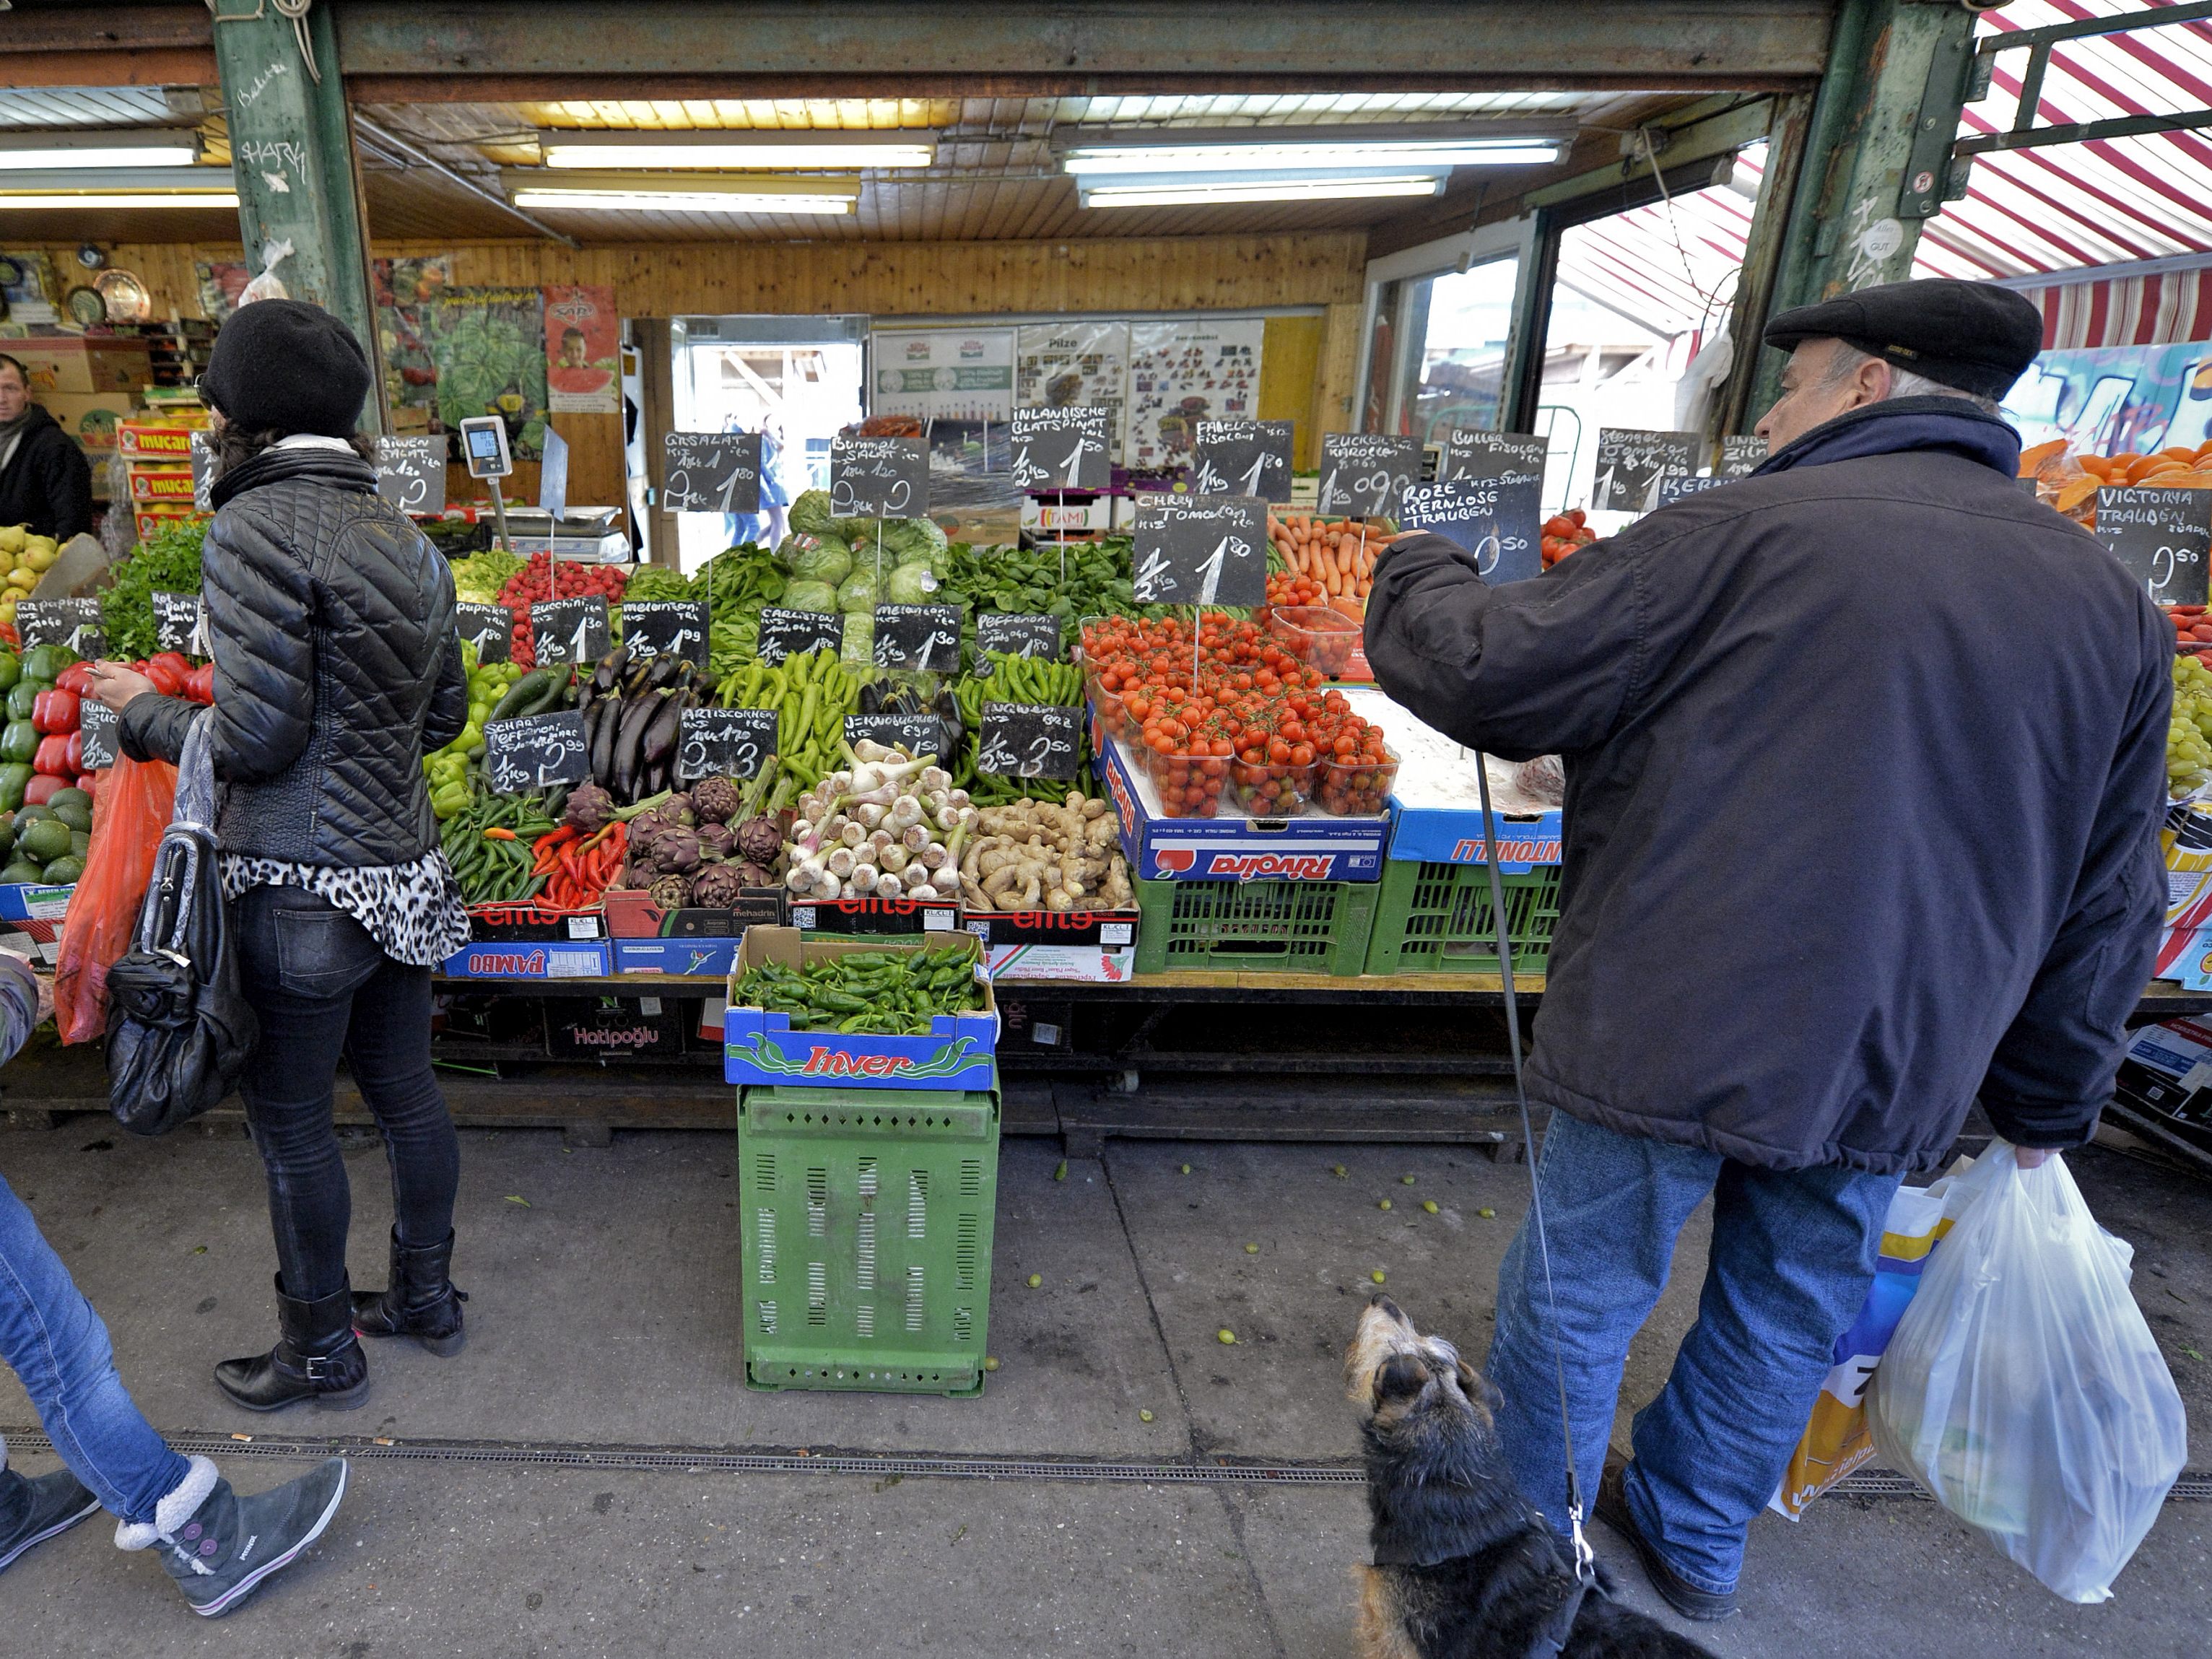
<point x="1552" y="1637"/>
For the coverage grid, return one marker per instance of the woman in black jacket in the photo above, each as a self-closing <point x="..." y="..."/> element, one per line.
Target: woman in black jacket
<point x="336" y="667"/>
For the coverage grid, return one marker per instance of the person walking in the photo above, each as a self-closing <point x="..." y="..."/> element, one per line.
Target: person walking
<point x="1865" y="760"/>
<point x="45" y="481"/>
<point x="219" y="1547"/>
<point x="336" y="667"/>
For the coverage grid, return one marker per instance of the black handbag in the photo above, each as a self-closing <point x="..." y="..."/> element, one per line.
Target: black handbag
<point x="179" y="1030"/>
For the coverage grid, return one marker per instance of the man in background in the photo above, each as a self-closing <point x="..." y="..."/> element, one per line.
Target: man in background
<point x="45" y="480"/>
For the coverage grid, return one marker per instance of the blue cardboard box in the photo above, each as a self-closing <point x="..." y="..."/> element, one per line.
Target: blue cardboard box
<point x="546" y="959"/>
<point x="761" y="1047"/>
<point x="33" y="903"/>
<point x="709" y="957"/>
<point x="1312" y="847"/>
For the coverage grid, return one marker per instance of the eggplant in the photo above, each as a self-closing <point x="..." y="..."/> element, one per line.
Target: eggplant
<point x="606" y="716"/>
<point x="664" y="672"/>
<point x="871" y="700"/>
<point x="660" y="731"/>
<point x="608" y="672"/>
<point x="629" y="746"/>
<point x="633" y="680"/>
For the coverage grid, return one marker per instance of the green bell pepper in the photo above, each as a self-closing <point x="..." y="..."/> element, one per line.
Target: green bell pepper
<point x="19" y="742"/>
<point x="44" y="663"/>
<point x="22" y="697"/>
<point x="11" y="669"/>
<point x="15" y="778"/>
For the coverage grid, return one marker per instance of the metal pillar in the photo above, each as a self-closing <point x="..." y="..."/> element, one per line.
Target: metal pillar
<point x="1875" y="157"/>
<point x="292" y="157"/>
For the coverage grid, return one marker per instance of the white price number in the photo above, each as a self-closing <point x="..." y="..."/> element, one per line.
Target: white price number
<point x="2168" y="562"/>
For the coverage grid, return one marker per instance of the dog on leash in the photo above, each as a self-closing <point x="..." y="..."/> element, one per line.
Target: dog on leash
<point x="1465" y="1566"/>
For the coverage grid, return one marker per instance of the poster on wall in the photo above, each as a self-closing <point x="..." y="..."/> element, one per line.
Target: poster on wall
<point x="583" y="349"/>
<point x="27" y="284"/>
<point x="943" y="374"/>
<point x="1183" y="373"/>
<point x="1073" y="364"/>
<point x="462" y="351"/>
<point x="2109" y="399"/>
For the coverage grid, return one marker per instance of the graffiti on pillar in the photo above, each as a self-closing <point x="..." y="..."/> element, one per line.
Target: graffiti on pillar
<point x="1875" y="240"/>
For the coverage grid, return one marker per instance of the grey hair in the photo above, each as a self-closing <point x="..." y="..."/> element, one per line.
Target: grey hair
<point x="1903" y="382"/>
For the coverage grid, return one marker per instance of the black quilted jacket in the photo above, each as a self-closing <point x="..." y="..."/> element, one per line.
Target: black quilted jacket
<point x="336" y="665"/>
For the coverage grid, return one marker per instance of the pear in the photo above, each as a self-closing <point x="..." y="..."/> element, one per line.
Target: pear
<point x="41" y="543"/>
<point x="12" y="538"/>
<point x="36" y="557"/>
<point x="22" y="581"/>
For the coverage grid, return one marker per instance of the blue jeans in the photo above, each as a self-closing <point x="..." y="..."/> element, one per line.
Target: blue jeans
<point x="1793" y="1254"/>
<point x="51" y="1340"/>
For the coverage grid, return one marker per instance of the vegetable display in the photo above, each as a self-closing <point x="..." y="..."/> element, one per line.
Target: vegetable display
<point x="167" y="562"/>
<point x="489" y="844"/>
<point x="542" y="578"/>
<point x="706" y="845"/>
<point x="46" y="843"/>
<point x="812" y="693"/>
<point x="447" y="770"/>
<point x="28" y="558"/>
<point x="890" y="826"/>
<point x="1336" y="555"/>
<point x="2188" y="729"/>
<point x="1015" y="679"/>
<point x="1039" y="855"/>
<point x="1563" y="534"/>
<point x="875" y="993"/>
<point x="632" y="715"/>
<point x="478" y="578"/>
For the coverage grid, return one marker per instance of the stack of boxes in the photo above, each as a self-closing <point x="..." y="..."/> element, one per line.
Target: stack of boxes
<point x="155" y="452"/>
<point x="87" y="383"/>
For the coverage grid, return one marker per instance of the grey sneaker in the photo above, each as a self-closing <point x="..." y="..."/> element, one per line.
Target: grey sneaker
<point x="34" y="1511"/>
<point x="221" y="1549"/>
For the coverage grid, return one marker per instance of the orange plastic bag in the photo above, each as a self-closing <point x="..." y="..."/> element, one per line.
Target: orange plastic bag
<point x="133" y="807"/>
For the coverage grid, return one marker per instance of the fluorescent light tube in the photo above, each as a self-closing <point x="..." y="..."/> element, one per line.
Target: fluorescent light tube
<point x="720" y="150"/>
<point x="1279" y="190"/>
<point x="639" y="200"/>
<point x="106" y="155"/>
<point x="174" y="198"/>
<point x="1309" y="154"/>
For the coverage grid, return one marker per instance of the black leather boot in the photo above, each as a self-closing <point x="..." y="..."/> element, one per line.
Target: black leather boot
<point x="419" y="1301"/>
<point x="316" y="1357"/>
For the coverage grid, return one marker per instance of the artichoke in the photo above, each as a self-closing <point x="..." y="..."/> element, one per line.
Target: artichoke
<point x="715" y="841"/>
<point x="588" y="807"/>
<point x="644" y="827"/>
<point x="760" y="840"/>
<point x="675" y="810"/>
<point x="753" y="875"/>
<point x="676" y="850"/>
<point x="713" y="799"/>
<point x="670" y="892"/>
<point x="717" y="886"/>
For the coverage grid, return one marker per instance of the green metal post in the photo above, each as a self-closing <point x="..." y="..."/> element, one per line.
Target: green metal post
<point x="292" y="156"/>
<point x="1896" y="79"/>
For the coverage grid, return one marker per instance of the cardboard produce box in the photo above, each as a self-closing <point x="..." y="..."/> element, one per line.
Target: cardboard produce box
<point x="878" y="918"/>
<point x="531" y="959"/>
<point x="92" y="418"/>
<point x="84" y="363"/>
<point x="1312" y="847"/>
<point x="1098" y="947"/>
<point x="761" y="1047"/>
<point x="613" y="1028"/>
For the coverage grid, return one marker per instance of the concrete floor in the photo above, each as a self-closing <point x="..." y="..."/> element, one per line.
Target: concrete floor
<point x="604" y="1311"/>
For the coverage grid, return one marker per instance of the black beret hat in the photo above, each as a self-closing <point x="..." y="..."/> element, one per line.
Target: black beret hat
<point x="1972" y="336"/>
<point x="288" y="366"/>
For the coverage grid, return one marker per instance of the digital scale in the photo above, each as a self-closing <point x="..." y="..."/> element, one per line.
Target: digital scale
<point x="483" y="447"/>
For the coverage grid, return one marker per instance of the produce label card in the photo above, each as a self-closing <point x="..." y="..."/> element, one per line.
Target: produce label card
<point x="711" y="472"/>
<point x="1242" y="458"/>
<point x="924" y="637"/>
<point x="1365" y="473"/>
<point x="537" y="751"/>
<point x="98" y="722"/>
<point x="1017" y="635"/>
<point x="1676" y="486"/>
<point x="1029" y="740"/>
<point x="794" y="633"/>
<point x="665" y="627"/>
<point x="1493" y="518"/>
<point x="1201" y="550"/>
<point x="879" y="478"/>
<point x="714" y="743"/>
<point x="1630" y="462"/>
<point x="489" y="628"/>
<point x="569" y="630"/>
<point x="1062" y="449"/>
<point x="2161" y="536"/>
<point x="1472" y="454"/>
<point x="181" y="624"/>
<point x="72" y="623"/>
<point x="1740" y="457"/>
<point x="204" y="475"/>
<point x="411" y="474"/>
<point x="918" y="734"/>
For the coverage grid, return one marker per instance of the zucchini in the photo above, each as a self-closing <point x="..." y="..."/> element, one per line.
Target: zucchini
<point x="529" y="689"/>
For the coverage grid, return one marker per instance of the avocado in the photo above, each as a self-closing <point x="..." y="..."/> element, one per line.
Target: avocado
<point x="43" y="840"/>
<point x="61" y="798"/>
<point x="20" y="872"/>
<point x="76" y="817"/>
<point x="30" y="815"/>
<point x="80" y="844"/>
<point x="62" y="873"/>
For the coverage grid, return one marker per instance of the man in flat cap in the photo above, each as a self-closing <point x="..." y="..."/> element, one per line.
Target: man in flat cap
<point x="1865" y="761"/>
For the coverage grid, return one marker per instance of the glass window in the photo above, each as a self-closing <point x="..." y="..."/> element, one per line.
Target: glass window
<point x="1436" y="353"/>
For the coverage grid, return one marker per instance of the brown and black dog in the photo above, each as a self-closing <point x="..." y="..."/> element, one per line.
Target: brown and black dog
<point x="1465" y="1566"/>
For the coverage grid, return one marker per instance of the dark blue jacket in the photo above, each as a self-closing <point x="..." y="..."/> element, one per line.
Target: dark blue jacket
<point x="1865" y="765"/>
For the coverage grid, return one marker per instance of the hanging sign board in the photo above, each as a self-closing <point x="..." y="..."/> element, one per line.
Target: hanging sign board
<point x="98" y="722"/>
<point x="918" y="734"/>
<point x="569" y="630"/>
<point x="1201" y="550"/>
<point x="1676" y="486"/>
<point x="2162" y="536"/>
<point x="1738" y="457"/>
<point x="1242" y="458"/>
<point x="923" y="637"/>
<point x="1490" y="455"/>
<point x="181" y="624"/>
<point x="204" y="474"/>
<point x="489" y="628"/>
<point x="1018" y="634"/>
<point x="1029" y="740"/>
<point x="1493" y="518"/>
<point x="411" y="474"/>
<point x="1365" y="473"/>
<point x="1630" y="462"/>
<point x="879" y="478"/>
<point x="535" y="752"/>
<point x="72" y="623"/>
<point x="1062" y="449"/>
<point x="785" y="633"/>
<point x="723" y="743"/>
<point x="711" y="472"/>
<point x="665" y="627"/>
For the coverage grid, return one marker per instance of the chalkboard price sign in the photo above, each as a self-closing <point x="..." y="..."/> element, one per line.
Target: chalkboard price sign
<point x="535" y="752"/>
<point x="1029" y="740"/>
<point x="489" y="628"/>
<point x="569" y="630"/>
<point x="711" y="472"/>
<point x="665" y="627"/>
<point x="1061" y="449"/>
<point x="72" y="623"/>
<point x="1201" y="550"/>
<point x="411" y="474"/>
<point x="1242" y="458"/>
<point x="794" y="633"/>
<point x="98" y="723"/>
<point x="918" y="734"/>
<point x="1632" y="461"/>
<point x="715" y="743"/>
<point x="1493" y="518"/>
<point x="1738" y="457"/>
<point x="1018" y="634"/>
<point x="1365" y="473"/>
<point x="2162" y="536"/>
<point x="879" y="478"/>
<point x="202" y="473"/>
<point x="925" y="637"/>
<point x="1676" y="486"/>
<point x="181" y="624"/>
<point x="1473" y="454"/>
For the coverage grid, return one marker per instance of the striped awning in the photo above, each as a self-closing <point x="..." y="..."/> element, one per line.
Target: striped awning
<point x="1671" y="266"/>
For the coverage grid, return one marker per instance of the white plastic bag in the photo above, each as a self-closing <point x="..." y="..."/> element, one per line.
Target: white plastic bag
<point x="2022" y="1388"/>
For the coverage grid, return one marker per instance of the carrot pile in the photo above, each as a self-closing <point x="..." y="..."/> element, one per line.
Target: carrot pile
<point x="2071" y="482"/>
<point x="578" y="867"/>
<point x="1338" y="554"/>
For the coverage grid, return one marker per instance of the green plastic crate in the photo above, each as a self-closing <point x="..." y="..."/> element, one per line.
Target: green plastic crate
<point x="866" y="1237"/>
<point x="1283" y="926"/>
<point x="1435" y="919"/>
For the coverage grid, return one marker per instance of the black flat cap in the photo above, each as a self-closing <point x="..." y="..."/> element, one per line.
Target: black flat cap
<point x="289" y="366"/>
<point x="1972" y="336"/>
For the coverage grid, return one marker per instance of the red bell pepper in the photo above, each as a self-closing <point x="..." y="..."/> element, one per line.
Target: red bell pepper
<point x="51" y="759"/>
<point x="75" y="678"/>
<point x="43" y="788"/>
<point x="55" y="711"/>
<point x="89" y="782"/>
<point x="169" y="672"/>
<point x="200" y="686"/>
<point x="76" y="752"/>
